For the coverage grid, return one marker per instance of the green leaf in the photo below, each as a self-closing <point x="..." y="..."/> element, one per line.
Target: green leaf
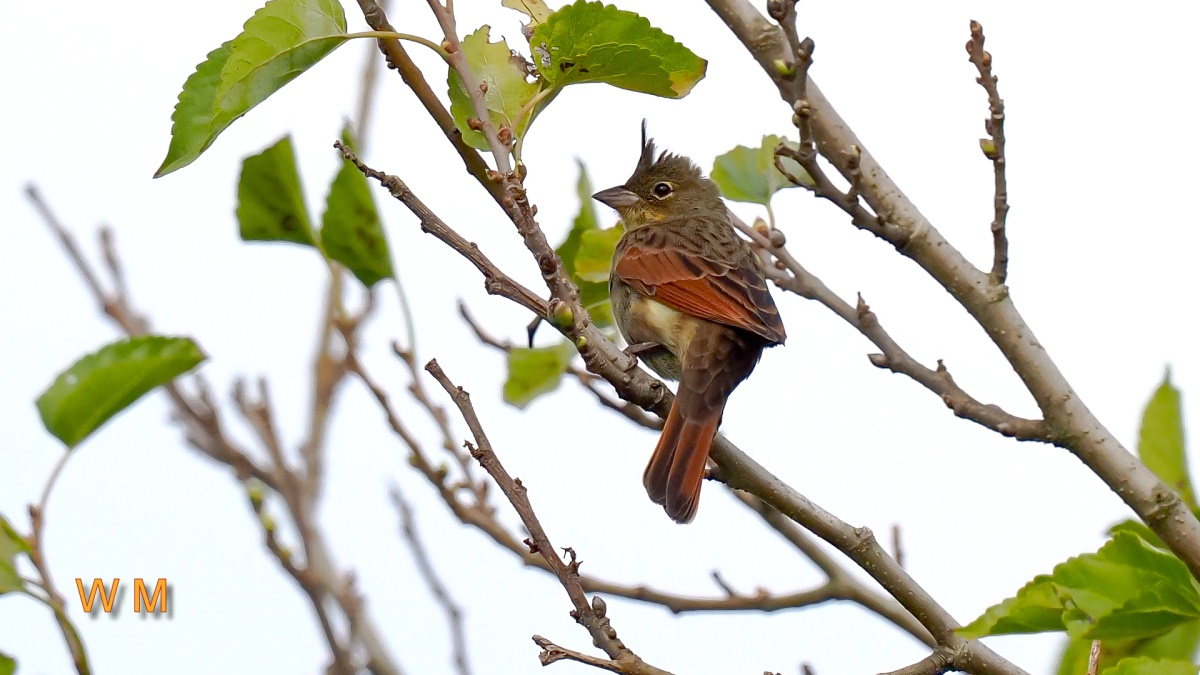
<point x="1161" y="443"/>
<point x="594" y="42"/>
<point x="8" y="665"/>
<point x="271" y="204"/>
<point x="534" y="9"/>
<point x="194" y="123"/>
<point x="1127" y="589"/>
<point x="1141" y="665"/>
<point x="1036" y="608"/>
<point x="282" y="40"/>
<point x="12" y="544"/>
<point x="1137" y="527"/>
<point x="508" y="91"/>
<point x="1178" y="643"/>
<point x="102" y="384"/>
<point x="593" y="294"/>
<point x="352" y="233"/>
<point x="594" y="259"/>
<point x="749" y="174"/>
<point x="585" y="220"/>
<point x="533" y="372"/>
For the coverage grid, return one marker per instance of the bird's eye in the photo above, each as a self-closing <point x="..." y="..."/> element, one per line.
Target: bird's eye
<point x="662" y="190"/>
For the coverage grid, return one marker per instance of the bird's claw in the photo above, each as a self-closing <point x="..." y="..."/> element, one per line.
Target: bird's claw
<point x="632" y="351"/>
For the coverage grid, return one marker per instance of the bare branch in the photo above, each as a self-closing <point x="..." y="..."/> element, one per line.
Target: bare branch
<point x="552" y="653"/>
<point x="894" y="358"/>
<point x="993" y="150"/>
<point x="1072" y="425"/>
<point x="590" y="616"/>
<point x="589" y="381"/>
<point x="940" y="661"/>
<point x="408" y="527"/>
<point x="199" y="417"/>
<point x="495" y="281"/>
<point x="37" y="555"/>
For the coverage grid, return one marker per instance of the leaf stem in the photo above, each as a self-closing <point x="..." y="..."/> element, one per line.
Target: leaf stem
<point x="528" y="109"/>
<point x="390" y="35"/>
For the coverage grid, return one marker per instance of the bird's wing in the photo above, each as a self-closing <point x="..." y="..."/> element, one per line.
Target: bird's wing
<point x="733" y="292"/>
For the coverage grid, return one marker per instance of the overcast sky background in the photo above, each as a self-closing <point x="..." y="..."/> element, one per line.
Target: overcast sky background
<point x="1101" y="167"/>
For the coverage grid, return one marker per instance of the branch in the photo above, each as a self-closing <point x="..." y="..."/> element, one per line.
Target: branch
<point x="408" y="527"/>
<point x="994" y="150"/>
<point x="495" y="281"/>
<point x="790" y="275"/>
<point x="199" y="416"/>
<point x="603" y="358"/>
<point x="940" y="661"/>
<point x="1072" y="425"/>
<point x="37" y="555"/>
<point x="475" y="89"/>
<point x="398" y="59"/>
<point x="590" y="616"/>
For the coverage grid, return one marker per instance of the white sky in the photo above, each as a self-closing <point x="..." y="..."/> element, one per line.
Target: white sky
<point x="1101" y="150"/>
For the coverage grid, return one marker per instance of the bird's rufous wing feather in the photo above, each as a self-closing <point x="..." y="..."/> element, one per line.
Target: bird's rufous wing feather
<point x="722" y="292"/>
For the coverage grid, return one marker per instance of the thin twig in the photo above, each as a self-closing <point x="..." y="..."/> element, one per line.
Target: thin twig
<point x="475" y="89"/>
<point x="495" y="281"/>
<point x="1073" y="426"/>
<point x="198" y="415"/>
<point x="993" y="149"/>
<point x="552" y="653"/>
<point x="590" y="616"/>
<point x="454" y="616"/>
<point x="37" y="556"/>
<point x="790" y="275"/>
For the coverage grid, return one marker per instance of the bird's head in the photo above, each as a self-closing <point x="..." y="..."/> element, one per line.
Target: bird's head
<point x="661" y="188"/>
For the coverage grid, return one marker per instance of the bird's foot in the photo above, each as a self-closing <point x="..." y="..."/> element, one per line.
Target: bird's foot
<point x="633" y="350"/>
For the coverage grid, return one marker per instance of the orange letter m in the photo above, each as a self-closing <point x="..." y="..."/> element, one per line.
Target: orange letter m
<point x="106" y="597"/>
<point x="140" y="597"/>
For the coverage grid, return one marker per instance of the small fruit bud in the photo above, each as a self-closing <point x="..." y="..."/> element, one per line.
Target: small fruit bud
<point x="989" y="148"/>
<point x="562" y="316"/>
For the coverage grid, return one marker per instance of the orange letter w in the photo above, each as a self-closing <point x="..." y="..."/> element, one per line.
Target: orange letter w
<point x="106" y="597"/>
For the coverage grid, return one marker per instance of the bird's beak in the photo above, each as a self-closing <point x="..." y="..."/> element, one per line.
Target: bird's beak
<point x="616" y="197"/>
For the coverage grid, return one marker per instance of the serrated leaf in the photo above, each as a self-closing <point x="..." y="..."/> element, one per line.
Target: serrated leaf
<point x="1127" y="589"/>
<point x="749" y="174"/>
<point x="271" y="204"/>
<point x="508" y="91"/>
<point x="1161" y="440"/>
<point x="1138" y="528"/>
<point x="533" y="372"/>
<point x="351" y="232"/>
<point x="1036" y="608"/>
<point x="594" y="42"/>
<point x="102" y="384"/>
<point x="283" y="39"/>
<point x="8" y="665"/>
<point x="534" y="9"/>
<point x="1141" y="665"/>
<point x="594" y="259"/>
<point x="194" y="125"/>
<point x="12" y="544"/>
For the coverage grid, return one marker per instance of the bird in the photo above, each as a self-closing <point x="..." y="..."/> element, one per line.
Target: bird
<point x="690" y="298"/>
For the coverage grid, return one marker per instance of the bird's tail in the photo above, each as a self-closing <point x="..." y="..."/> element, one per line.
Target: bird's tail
<point x="676" y="469"/>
